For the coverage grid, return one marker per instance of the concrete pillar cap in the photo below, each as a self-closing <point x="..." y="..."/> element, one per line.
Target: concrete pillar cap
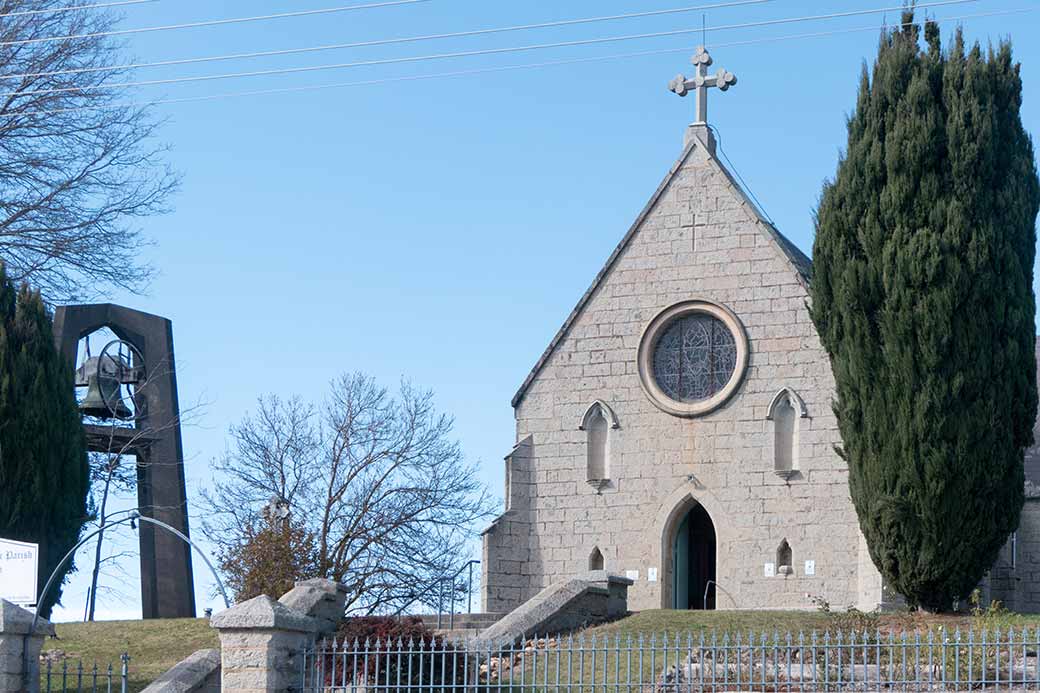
<point x="14" y="620"/>
<point x="263" y="613"/>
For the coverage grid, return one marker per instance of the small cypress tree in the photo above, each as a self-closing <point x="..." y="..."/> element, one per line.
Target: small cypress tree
<point x="922" y="295"/>
<point x="269" y="558"/>
<point x="44" y="476"/>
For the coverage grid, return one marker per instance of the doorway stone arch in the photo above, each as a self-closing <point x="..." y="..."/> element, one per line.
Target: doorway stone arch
<point x="673" y="511"/>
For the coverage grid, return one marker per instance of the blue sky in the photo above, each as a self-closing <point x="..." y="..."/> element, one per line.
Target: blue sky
<point x="441" y="229"/>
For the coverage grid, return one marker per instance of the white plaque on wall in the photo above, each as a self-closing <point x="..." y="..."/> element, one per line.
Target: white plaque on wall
<point x="18" y="562"/>
<point x="651" y="574"/>
<point x="632" y="574"/>
<point x="770" y="570"/>
<point x="810" y="567"/>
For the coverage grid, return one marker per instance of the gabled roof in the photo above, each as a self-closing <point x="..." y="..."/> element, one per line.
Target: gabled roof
<point x="800" y="263"/>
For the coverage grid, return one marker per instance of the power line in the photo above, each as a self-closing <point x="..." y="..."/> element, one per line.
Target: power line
<point x="510" y="68"/>
<point x="214" y="22"/>
<point x="390" y="41"/>
<point x="743" y="183"/>
<point x="73" y="8"/>
<point x="467" y="54"/>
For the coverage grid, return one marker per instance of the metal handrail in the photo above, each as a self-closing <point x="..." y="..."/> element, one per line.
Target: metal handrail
<point x="707" y="586"/>
<point x="440" y="594"/>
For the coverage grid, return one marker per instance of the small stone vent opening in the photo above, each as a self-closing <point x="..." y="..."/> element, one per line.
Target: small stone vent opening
<point x="598" y="423"/>
<point x="784" y="559"/>
<point x="596" y="559"/>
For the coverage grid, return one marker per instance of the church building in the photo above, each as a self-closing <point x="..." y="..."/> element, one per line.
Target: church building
<point x="678" y="428"/>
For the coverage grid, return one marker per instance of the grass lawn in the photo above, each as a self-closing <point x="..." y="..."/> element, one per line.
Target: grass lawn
<point x="154" y="646"/>
<point x="661" y="621"/>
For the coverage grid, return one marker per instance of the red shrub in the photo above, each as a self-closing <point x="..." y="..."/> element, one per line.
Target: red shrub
<point x="391" y="652"/>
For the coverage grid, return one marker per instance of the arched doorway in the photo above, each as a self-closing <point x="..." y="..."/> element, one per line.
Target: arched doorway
<point x="693" y="561"/>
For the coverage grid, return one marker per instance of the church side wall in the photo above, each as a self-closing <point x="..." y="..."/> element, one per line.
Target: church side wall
<point x="1015" y="577"/>
<point x="506" y="559"/>
<point x="700" y="241"/>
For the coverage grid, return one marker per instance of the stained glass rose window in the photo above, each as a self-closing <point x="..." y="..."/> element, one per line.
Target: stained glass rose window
<point x="694" y="358"/>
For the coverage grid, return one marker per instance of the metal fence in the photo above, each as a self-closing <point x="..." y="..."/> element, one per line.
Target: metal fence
<point x="935" y="660"/>
<point x="69" y="676"/>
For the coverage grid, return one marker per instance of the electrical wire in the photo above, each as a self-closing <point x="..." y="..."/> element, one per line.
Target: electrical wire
<point x="214" y="22"/>
<point x="509" y="68"/>
<point x="467" y="54"/>
<point x="389" y="41"/>
<point x="743" y="183"/>
<point x="73" y="8"/>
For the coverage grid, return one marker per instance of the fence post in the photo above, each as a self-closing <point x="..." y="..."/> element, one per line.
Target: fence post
<point x="261" y="641"/>
<point x="18" y="646"/>
<point x="125" y="672"/>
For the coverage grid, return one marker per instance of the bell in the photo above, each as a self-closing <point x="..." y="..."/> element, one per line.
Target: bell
<point x="103" y="400"/>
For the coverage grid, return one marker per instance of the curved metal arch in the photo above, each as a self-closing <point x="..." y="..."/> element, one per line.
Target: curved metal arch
<point x="793" y="397"/>
<point x="608" y="414"/>
<point x="135" y="514"/>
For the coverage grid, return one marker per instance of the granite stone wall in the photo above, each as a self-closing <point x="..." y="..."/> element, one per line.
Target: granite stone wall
<point x="568" y="605"/>
<point x="507" y="541"/>
<point x="1015" y="577"/>
<point x="698" y="239"/>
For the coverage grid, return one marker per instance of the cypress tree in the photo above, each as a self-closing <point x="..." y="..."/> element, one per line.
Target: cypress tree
<point x="922" y="295"/>
<point x="44" y="475"/>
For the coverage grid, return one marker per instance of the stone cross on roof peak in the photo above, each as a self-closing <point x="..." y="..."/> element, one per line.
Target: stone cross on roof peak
<point x="701" y="82"/>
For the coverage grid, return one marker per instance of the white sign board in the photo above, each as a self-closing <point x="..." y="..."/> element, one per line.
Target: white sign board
<point x="632" y="574"/>
<point x="18" y="562"/>
<point x="770" y="570"/>
<point x="651" y="575"/>
<point x="810" y="567"/>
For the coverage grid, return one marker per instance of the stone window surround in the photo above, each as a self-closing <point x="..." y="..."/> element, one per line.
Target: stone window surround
<point x="657" y="327"/>
<point x="603" y="409"/>
<point x="791" y="397"/>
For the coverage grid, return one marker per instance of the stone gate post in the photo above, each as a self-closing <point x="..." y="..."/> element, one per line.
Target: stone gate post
<point x="261" y="646"/>
<point x="15" y="623"/>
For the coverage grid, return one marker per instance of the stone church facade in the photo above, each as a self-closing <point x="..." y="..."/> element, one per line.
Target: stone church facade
<point x="678" y="429"/>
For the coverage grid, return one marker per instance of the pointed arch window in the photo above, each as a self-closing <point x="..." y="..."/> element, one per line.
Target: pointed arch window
<point x="598" y="423"/>
<point x="596" y="559"/>
<point x="786" y="412"/>
<point x="784" y="559"/>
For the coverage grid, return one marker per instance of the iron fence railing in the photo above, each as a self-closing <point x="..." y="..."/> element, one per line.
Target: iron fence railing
<point x="935" y="660"/>
<point x="66" y="676"/>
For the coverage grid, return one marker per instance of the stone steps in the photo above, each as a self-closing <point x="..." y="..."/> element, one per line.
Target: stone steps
<point x="460" y="635"/>
<point x="461" y="622"/>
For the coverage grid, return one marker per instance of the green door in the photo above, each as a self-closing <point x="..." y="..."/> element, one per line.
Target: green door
<point x="681" y="566"/>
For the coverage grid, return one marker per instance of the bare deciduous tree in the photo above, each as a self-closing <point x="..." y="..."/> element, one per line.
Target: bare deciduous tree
<point x="78" y="166"/>
<point x="374" y="477"/>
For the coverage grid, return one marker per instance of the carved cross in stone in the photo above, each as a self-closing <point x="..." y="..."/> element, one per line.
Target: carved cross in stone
<point x="701" y="81"/>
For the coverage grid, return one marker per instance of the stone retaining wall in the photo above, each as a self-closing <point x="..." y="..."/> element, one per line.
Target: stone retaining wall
<point x="591" y="598"/>
<point x="198" y="673"/>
